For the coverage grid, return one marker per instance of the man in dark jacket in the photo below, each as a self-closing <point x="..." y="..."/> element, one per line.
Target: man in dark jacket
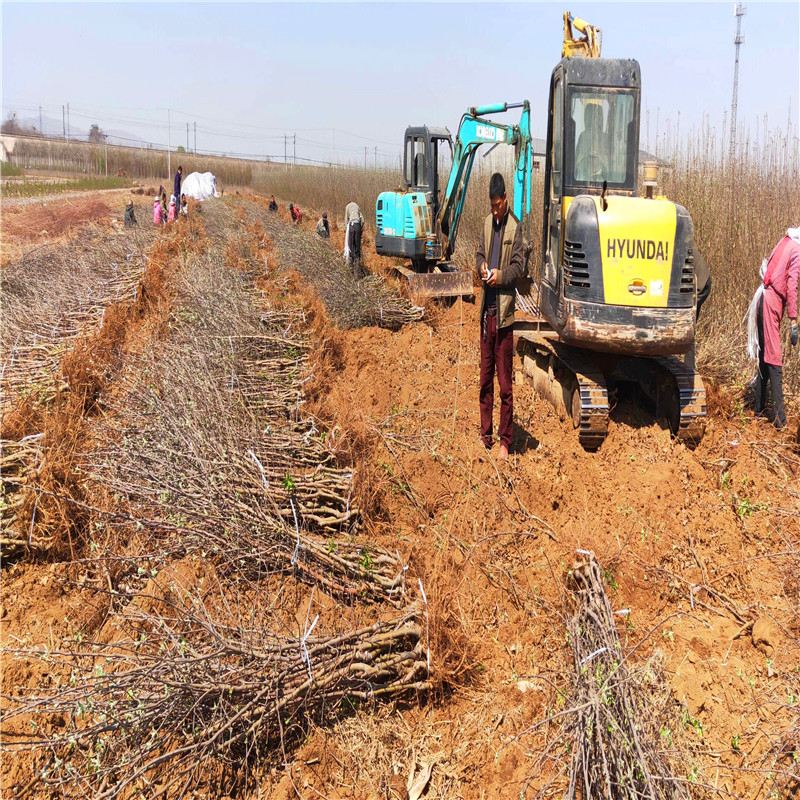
<point x="177" y="191"/>
<point x="500" y="262"/>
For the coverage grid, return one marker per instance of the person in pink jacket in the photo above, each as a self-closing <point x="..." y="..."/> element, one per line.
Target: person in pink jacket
<point x="172" y="213"/>
<point x="157" y="219"/>
<point x="780" y="296"/>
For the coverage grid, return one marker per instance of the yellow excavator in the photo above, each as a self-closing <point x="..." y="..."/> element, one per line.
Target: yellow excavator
<point x="615" y="298"/>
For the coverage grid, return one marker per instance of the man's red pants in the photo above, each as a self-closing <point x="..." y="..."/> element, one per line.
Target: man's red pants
<point x="497" y="352"/>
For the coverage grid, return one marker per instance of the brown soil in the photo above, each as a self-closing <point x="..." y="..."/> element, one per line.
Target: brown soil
<point x="33" y="221"/>
<point x="699" y="546"/>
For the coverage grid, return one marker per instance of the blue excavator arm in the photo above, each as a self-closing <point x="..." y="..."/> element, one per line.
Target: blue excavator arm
<point x="474" y="131"/>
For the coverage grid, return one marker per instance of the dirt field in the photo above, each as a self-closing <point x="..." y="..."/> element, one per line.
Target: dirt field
<point x="699" y="548"/>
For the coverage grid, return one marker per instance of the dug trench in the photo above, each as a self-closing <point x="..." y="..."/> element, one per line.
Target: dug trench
<point x="698" y="549"/>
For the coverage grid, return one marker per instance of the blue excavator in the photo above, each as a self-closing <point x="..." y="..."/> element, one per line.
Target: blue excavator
<point x="420" y="221"/>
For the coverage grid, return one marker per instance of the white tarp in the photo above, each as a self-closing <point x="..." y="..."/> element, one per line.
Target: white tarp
<point x="199" y="185"/>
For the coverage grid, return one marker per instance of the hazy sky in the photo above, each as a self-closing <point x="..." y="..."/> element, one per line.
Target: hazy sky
<point x="345" y="76"/>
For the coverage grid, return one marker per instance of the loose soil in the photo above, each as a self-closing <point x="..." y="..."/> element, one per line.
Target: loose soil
<point x="699" y="547"/>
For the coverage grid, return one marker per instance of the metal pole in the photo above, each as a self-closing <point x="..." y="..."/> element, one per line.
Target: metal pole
<point x="106" y="141"/>
<point x="187" y="137"/>
<point x="67" y="121"/>
<point x="365" y="158"/>
<point x="63" y="123"/>
<point x="294" y="151"/>
<point x="284" y="149"/>
<point x="739" y="11"/>
<point x="169" y="148"/>
<point x="195" y="138"/>
<point x="41" y="128"/>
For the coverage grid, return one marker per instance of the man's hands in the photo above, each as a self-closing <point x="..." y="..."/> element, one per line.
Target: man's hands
<point x="489" y="277"/>
<point x="793" y="334"/>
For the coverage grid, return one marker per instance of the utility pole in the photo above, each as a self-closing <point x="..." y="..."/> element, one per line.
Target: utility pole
<point x="376" y="156"/>
<point x="294" y="151"/>
<point x="365" y="158"/>
<point x="41" y="129"/>
<point x="738" y="40"/>
<point x="105" y="139"/>
<point x="63" y="123"/>
<point x="284" y="149"/>
<point x="195" y="138"/>
<point x="67" y="121"/>
<point x="169" y="148"/>
<point x="187" y="137"/>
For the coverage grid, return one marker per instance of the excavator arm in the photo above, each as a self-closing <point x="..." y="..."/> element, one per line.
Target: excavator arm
<point x="587" y="45"/>
<point x="473" y="131"/>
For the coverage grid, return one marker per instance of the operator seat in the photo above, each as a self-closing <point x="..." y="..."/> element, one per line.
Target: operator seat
<point x="590" y="146"/>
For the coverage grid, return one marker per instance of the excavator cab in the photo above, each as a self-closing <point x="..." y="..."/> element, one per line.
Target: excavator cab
<point x="617" y="272"/>
<point x="422" y="154"/>
<point x="405" y="219"/>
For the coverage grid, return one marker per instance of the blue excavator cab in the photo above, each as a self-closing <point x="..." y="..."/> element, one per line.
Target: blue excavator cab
<point x="420" y="221"/>
<point x="406" y="218"/>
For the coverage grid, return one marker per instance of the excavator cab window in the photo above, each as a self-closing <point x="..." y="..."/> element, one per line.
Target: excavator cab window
<point x="443" y="162"/>
<point x="417" y="163"/>
<point x="601" y="146"/>
<point x="557" y="136"/>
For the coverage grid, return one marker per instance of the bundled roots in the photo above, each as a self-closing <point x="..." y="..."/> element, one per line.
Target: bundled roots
<point x="349" y="302"/>
<point x="65" y="313"/>
<point x="53" y="294"/>
<point x="149" y="710"/>
<point x="612" y="727"/>
<point x="210" y="445"/>
<point x="208" y="464"/>
<point x="18" y="463"/>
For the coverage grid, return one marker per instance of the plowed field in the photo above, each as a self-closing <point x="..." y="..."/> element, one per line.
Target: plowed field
<point x="253" y="546"/>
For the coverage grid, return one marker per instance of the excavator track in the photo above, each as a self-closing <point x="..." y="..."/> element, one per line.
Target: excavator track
<point x="576" y="383"/>
<point x="590" y="400"/>
<point x="688" y="420"/>
<point x="570" y="381"/>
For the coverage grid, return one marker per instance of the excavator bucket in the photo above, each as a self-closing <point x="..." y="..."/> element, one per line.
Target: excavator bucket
<point x="439" y="283"/>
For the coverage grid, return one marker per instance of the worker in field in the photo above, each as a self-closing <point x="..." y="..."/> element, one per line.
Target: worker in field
<point x="500" y="263"/>
<point x="273" y="206"/>
<point x="323" y="229"/>
<point x="130" y="214"/>
<point x="354" y="228"/>
<point x="184" y="206"/>
<point x="178" y="178"/>
<point x="702" y="277"/>
<point x="296" y="213"/>
<point x="164" y="207"/>
<point x="172" y="210"/>
<point x="157" y="213"/>
<point x="778" y="296"/>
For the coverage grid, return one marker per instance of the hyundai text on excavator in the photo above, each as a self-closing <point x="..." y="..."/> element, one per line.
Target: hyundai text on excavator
<point x="616" y="296"/>
<point x="419" y="223"/>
